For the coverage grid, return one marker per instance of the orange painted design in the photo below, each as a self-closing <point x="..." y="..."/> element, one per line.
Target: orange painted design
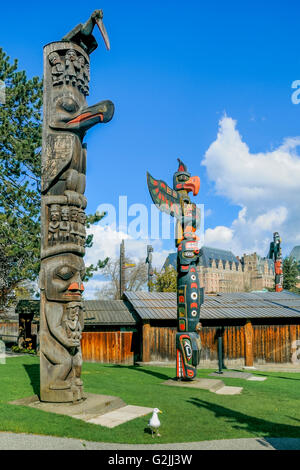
<point x="159" y="196"/>
<point x="193" y="184"/>
<point x="155" y="182"/>
<point x="179" y="248"/>
<point x="85" y="117"/>
<point x="182" y="327"/>
<point x="184" y="268"/>
<point x="156" y="190"/>
<point x="75" y="286"/>
<point x="189" y="228"/>
<point x="193" y="270"/>
<point x="194" y="305"/>
<point x="190" y="373"/>
<point x="163" y="185"/>
<point x="278" y="267"/>
<point x="181" y="299"/>
<point x="194" y="285"/>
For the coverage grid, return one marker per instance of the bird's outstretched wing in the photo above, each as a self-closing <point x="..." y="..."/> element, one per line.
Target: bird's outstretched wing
<point x="165" y="198"/>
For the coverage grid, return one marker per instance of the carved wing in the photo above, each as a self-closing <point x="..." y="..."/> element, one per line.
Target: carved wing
<point x="165" y="198"/>
<point x="59" y="153"/>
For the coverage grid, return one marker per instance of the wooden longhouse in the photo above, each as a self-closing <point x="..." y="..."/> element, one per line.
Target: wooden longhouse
<point x="256" y="328"/>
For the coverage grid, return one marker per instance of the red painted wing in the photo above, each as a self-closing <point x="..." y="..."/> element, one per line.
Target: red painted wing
<point x="165" y="198"/>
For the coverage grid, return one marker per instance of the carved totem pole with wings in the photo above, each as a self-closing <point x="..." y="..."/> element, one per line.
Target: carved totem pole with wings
<point x="177" y="203"/>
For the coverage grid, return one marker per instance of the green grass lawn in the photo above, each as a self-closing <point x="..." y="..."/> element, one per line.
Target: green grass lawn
<point x="264" y="409"/>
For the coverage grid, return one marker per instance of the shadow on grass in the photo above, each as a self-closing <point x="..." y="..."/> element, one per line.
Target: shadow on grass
<point x="141" y="369"/>
<point x="33" y="372"/>
<point x="243" y="422"/>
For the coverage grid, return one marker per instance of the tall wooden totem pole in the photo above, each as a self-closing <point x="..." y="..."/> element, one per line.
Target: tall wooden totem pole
<point x="66" y="121"/>
<point x="276" y="255"/>
<point x="176" y="202"/>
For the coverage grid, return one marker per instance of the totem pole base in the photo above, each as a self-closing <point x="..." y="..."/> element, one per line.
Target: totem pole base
<point x="91" y="406"/>
<point x="71" y="395"/>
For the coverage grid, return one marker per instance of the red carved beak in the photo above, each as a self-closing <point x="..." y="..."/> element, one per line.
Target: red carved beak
<point x="192" y="184"/>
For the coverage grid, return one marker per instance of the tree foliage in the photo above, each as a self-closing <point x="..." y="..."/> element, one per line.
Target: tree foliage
<point x="135" y="278"/>
<point x="290" y="273"/>
<point x="20" y="169"/>
<point x="20" y="177"/>
<point x="165" y="281"/>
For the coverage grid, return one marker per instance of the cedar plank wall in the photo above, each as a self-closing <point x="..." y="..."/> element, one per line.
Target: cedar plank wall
<point x="276" y="343"/>
<point x="114" y="347"/>
<point x="271" y="344"/>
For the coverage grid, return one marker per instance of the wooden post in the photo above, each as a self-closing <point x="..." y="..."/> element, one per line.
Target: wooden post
<point x="293" y="344"/>
<point x="146" y="342"/>
<point x="248" y="344"/>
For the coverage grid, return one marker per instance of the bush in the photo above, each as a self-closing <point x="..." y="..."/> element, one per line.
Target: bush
<point x="17" y="349"/>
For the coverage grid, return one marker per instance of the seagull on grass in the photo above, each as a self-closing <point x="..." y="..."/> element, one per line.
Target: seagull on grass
<point x="154" y="422"/>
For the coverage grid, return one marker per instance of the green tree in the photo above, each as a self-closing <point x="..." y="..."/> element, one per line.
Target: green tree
<point x="165" y="281"/>
<point x="20" y="176"/>
<point x="290" y="273"/>
<point x="20" y="169"/>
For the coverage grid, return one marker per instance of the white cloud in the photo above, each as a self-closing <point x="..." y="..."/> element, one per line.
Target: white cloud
<point x="219" y="235"/>
<point x="265" y="185"/>
<point x="106" y="243"/>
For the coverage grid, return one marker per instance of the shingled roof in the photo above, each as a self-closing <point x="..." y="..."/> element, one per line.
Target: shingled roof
<point x="107" y="312"/>
<point x="162" y="305"/>
<point x="97" y="312"/>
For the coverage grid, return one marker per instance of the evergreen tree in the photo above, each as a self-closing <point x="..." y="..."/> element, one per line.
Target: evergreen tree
<point x="290" y="273"/>
<point x="165" y="281"/>
<point x="20" y="177"/>
<point x="20" y="169"/>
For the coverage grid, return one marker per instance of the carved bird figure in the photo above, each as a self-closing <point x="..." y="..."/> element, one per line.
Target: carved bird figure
<point x="154" y="422"/>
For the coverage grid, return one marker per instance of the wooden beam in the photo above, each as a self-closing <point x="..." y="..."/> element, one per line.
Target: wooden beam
<point x="248" y="344"/>
<point x="146" y="357"/>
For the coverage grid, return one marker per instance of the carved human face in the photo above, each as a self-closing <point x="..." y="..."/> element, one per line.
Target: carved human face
<point x="74" y="215"/>
<point x="65" y="212"/>
<point x="71" y="55"/>
<point x="73" y="310"/>
<point x="55" y="213"/>
<point x="81" y="217"/>
<point x="54" y="58"/>
<point x="62" y="277"/>
<point x="81" y="60"/>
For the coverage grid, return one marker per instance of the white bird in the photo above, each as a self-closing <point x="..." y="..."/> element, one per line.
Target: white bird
<point x="154" y="422"/>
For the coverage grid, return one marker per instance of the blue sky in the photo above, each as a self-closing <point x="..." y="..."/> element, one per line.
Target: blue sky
<point x="179" y="73"/>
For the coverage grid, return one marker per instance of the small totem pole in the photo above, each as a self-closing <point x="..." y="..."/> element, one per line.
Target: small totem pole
<point x="66" y="121"/>
<point x="275" y="254"/>
<point x="176" y="202"/>
<point x="150" y="268"/>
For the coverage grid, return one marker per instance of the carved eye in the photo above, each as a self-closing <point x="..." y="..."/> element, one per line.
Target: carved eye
<point x="65" y="273"/>
<point x="182" y="178"/>
<point x="68" y="104"/>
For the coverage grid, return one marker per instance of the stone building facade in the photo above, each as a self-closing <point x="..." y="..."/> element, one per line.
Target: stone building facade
<point x="222" y="271"/>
